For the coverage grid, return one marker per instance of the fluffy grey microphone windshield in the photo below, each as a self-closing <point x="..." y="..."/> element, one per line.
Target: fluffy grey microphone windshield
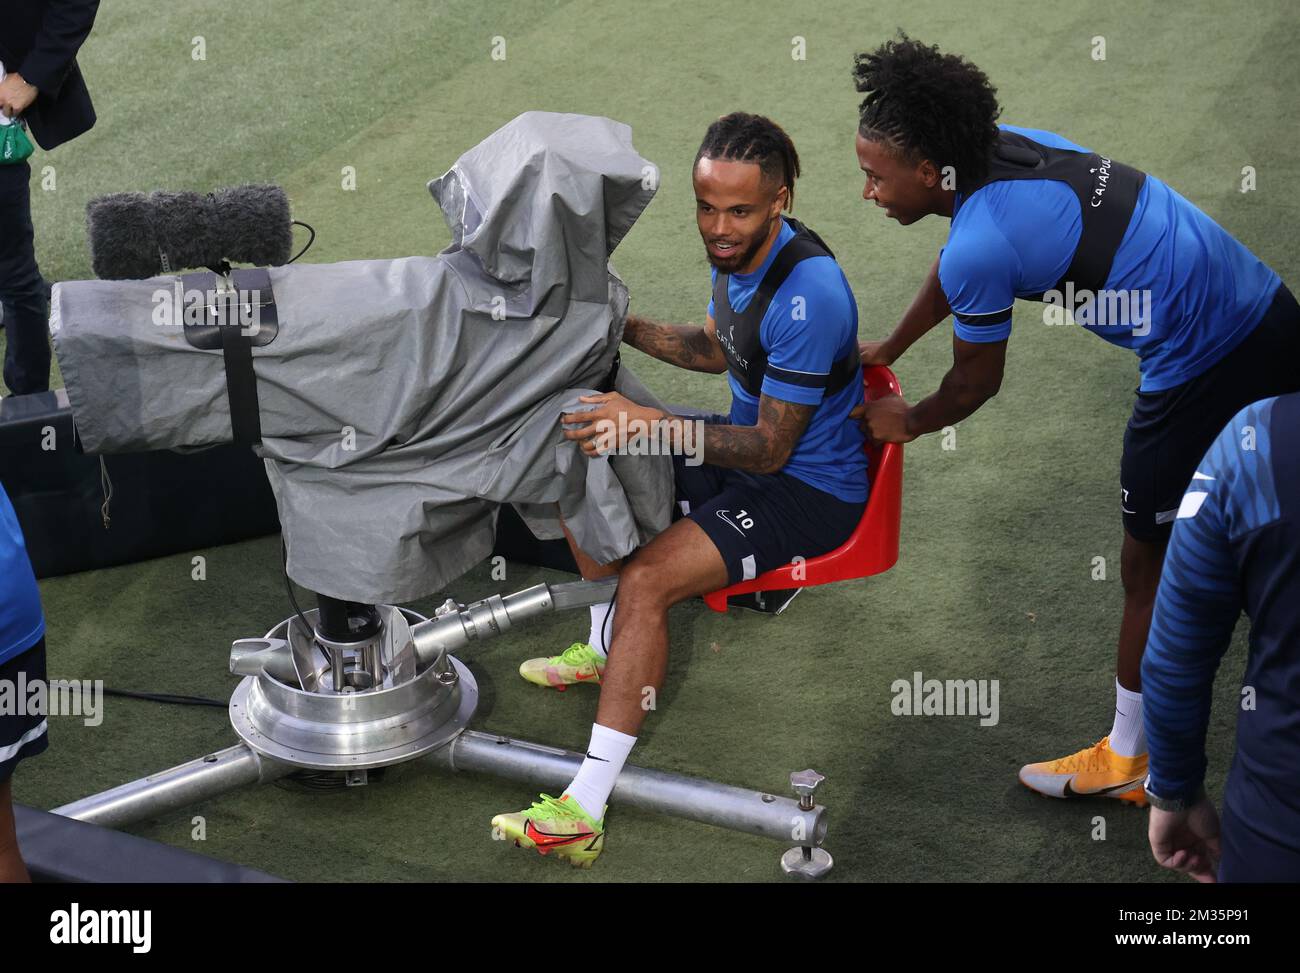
<point x="130" y="232"/>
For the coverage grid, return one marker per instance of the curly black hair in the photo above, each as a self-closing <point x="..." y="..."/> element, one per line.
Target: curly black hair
<point x="741" y="137"/>
<point x="929" y="104"/>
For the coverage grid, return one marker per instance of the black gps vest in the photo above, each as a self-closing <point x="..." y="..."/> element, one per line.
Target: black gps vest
<point x="738" y="331"/>
<point x="1107" y="192"/>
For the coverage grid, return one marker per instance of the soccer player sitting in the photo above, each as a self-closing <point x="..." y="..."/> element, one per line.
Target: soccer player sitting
<point x="784" y="475"/>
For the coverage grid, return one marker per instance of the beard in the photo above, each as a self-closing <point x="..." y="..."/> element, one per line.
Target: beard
<point x="742" y="254"/>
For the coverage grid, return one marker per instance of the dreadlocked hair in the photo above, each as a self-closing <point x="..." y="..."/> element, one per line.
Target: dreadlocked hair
<point x="741" y="137"/>
<point x="930" y="105"/>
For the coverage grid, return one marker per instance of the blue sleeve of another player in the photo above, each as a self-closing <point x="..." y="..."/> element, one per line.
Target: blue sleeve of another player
<point x="806" y="328"/>
<point x="1200" y="599"/>
<point x="978" y="272"/>
<point x="21" y="620"/>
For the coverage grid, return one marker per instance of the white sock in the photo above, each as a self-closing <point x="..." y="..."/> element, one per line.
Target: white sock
<point x="606" y="756"/>
<point x="600" y="631"/>
<point x="1128" y="737"/>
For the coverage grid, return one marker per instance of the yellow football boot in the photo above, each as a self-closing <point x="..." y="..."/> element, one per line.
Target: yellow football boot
<point x="578" y="663"/>
<point x="1096" y="771"/>
<point x="554" y="827"/>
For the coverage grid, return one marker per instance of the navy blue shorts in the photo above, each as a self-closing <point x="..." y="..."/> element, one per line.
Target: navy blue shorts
<point x="1170" y="431"/>
<point x="22" y="736"/>
<point x="761" y="521"/>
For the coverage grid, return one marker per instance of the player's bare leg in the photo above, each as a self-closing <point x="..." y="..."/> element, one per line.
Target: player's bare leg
<point x="1139" y="566"/>
<point x="1117" y="765"/>
<point x="12" y="868"/>
<point x="581" y="661"/>
<point x="589" y="569"/>
<point x="679" y="563"/>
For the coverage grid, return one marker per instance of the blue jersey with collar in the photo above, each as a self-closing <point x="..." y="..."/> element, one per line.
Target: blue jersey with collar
<point x="1235" y="546"/>
<point x="811" y="323"/>
<point x="1186" y="292"/>
<point x="21" y="621"/>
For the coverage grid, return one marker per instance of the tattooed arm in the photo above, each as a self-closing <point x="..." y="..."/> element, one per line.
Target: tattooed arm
<point x="684" y="345"/>
<point x="764" y="448"/>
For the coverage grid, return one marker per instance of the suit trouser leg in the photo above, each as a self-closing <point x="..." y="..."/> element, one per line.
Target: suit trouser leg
<point x="22" y="289"/>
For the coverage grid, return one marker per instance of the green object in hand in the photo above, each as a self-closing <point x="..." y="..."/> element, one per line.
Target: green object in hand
<point x="15" y="146"/>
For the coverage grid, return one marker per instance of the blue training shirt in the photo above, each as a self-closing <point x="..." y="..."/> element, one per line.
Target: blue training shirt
<point x="21" y="621"/>
<point x="1189" y="292"/>
<point x="1235" y="545"/>
<point x="811" y="323"/>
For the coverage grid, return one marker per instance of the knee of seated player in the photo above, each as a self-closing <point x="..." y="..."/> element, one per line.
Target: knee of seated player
<point x="645" y="582"/>
<point x="678" y="564"/>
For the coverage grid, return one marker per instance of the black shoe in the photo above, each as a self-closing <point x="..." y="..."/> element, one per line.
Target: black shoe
<point x="764" y="602"/>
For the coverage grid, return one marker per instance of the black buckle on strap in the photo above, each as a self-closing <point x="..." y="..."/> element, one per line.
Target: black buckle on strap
<point x="235" y="319"/>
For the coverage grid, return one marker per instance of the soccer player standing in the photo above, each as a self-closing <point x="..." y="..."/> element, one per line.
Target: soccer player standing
<point x="1037" y="217"/>
<point x="1235" y="545"/>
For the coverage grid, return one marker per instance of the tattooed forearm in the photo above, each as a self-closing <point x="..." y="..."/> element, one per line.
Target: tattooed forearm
<point x="763" y="448"/>
<point x="684" y="345"/>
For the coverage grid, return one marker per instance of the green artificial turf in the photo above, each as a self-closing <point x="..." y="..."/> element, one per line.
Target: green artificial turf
<point x="999" y="534"/>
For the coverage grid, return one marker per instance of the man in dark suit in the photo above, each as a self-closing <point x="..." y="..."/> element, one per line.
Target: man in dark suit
<point x="39" y="40"/>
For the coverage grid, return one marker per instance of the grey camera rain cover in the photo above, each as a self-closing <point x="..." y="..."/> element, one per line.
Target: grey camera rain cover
<point x="403" y="401"/>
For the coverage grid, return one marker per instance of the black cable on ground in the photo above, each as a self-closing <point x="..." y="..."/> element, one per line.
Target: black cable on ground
<point x="169" y="698"/>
